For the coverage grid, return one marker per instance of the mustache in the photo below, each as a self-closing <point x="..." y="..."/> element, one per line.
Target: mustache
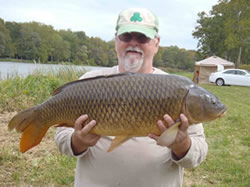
<point x="136" y="49"/>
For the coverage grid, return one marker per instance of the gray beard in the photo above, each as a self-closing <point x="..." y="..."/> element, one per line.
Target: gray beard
<point x="132" y="65"/>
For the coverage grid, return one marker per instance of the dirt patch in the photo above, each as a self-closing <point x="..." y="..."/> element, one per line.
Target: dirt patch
<point x="11" y="160"/>
<point x="11" y="139"/>
<point x="6" y="138"/>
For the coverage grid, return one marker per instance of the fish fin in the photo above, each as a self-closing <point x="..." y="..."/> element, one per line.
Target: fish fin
<point x="169" y="135"/>
<point x="31" y="137"/>
<point x="27" y="123"/>
<point x="60" y="89"/>
<point x="118" y="141"/>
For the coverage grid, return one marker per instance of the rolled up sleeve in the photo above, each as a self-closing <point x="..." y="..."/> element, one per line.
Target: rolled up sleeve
<point x="63" y="141"/>
<point x="198" y="149"/>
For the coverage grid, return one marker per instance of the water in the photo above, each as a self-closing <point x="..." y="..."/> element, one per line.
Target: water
<point x="10" y="69"/>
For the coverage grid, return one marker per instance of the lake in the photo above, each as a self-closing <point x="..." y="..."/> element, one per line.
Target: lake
<point x="10" y="69"/>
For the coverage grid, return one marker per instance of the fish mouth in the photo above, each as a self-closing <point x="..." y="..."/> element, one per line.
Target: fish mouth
<point x="222" y="113"/>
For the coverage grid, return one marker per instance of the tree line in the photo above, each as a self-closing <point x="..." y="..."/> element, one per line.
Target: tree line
<point x="44" y="44"/>
<point x="225" y="31"/>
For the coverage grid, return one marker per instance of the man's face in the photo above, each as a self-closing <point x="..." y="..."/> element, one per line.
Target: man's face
<point x="135" y="52"/>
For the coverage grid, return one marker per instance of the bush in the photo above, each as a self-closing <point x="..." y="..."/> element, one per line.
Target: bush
<point x="245" y="66"/>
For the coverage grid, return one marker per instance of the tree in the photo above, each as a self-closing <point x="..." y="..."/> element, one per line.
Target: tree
<point x="82" y="55"/>
<point x="48" y="38"/>
<point x="14" y="31"/>
<point x="28" y="44"/>
<point x="112" y="57"/>
<point x="61" y="49"/>
<point x="158" y="59"/>
<point x="210" y="34"/>
<point x="237" y="26"/>
<point x="5" y="41"/>
<point x="225" y="31"/>
<point x="72" y="40"/>
<point x="174" y="57"/>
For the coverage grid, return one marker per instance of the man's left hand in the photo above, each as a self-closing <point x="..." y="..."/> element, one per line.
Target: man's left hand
<point x="182" y="142"/>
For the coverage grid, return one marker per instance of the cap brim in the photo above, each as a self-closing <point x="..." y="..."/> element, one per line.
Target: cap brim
<point x="149" y="32"/>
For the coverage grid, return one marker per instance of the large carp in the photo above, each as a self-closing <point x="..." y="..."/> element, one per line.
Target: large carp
<point x="123" y="105"/>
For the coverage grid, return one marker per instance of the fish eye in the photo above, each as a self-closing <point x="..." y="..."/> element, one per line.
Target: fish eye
<point x="214" y="101"/>
<point x="210" y="99"/>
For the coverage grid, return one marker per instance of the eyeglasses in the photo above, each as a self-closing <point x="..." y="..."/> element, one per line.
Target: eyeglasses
<point x="140" y="38"/>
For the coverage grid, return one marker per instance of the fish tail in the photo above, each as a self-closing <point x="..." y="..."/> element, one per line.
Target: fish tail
<point x="27" y="123"/>
<point x="31" y="137"/>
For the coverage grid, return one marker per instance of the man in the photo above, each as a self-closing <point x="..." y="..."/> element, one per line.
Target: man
<point x="139" y="162"/>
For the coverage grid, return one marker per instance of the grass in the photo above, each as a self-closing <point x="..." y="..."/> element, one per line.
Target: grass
<point x="14" y="60"/>
<point x="41" y="166"/>
<point x="227" y="162"/>
<point x="17" y="93"/>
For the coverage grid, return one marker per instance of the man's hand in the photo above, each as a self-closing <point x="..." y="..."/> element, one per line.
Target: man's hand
<point x="182" y="142"/>
<point x="81" y="138"/>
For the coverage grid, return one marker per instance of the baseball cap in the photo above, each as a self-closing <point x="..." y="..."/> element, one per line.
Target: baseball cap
<point x="137" y="20"/>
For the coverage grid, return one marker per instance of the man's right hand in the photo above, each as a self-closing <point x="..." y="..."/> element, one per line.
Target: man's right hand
<point x="81" y="138"/>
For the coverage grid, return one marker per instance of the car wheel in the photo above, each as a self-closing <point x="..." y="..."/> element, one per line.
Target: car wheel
<point x="219" y="82"/>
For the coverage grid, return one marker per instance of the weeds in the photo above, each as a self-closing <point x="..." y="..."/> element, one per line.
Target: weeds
<point x="17" y="93"/>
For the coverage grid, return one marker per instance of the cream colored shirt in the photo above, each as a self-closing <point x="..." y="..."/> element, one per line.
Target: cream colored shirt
<point x="139" y="162"/>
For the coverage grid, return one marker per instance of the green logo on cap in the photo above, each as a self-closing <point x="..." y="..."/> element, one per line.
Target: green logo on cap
<point x="136" y="17"/>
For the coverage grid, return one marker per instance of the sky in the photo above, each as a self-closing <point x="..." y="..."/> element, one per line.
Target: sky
<point x="97" y="18"/>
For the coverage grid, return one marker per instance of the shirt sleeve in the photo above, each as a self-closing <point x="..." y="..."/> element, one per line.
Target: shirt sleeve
<point x="63" y="141"/>
<point x="198" y="149"/>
